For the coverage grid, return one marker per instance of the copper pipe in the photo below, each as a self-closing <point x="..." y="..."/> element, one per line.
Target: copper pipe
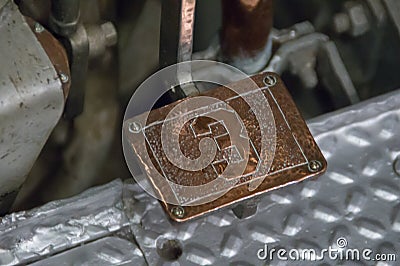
<point x="246" y="27"/>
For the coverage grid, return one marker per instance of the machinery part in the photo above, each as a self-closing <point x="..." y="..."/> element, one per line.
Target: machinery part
<point x="77" y="150"/>
<point x="176" y="41"/>
<point x="292" y="217"/>
<point x="300" y="56"/>
<point x="55" y="52"/>
<point x="83" y="42"/>
<point x="294" y="150"/>
<point x="77" y="46"/>
<point x="32" y="96"/>
<point x="101" y="37"/>
<point x="88" y="42"/>
<point x="310" y="56"/>
<point x="64" y="16"/>
<point x="245" y="34"/>
<point x="353" y="20"/>
<point x="335" y="76"/>
<point x="280" y="37"/>
<point x="368" y="23"/>
<point x="176" y="34"/>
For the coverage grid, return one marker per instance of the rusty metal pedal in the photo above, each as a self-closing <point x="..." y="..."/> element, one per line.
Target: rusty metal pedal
<point x="294" y="155"/>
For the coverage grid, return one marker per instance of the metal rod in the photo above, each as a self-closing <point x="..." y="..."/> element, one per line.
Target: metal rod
<point x="176" y="40"/>
<point x="245" y="35"/>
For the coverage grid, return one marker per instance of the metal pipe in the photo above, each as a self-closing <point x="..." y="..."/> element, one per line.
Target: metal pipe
<point x="245" y="35"/>
<point x="64" y="16"/>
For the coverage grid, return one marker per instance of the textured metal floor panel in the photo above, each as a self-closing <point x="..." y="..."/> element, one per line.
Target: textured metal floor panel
<point x="358" y="198"/>
<point x="106" y="251"/>
<point x="60" y="225"/>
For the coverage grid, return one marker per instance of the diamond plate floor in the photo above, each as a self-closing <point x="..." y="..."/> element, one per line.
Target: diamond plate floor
<point x="358" y="198"/>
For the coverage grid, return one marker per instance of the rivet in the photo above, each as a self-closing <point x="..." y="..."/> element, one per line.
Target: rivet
<point x="314" y="166"/>
<point x="64" y="78"/>
<point x="178" y="212"/>
<point x="38" y="28"/>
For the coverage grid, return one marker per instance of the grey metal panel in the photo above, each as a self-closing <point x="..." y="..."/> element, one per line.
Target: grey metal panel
<point x="31" y="96"/>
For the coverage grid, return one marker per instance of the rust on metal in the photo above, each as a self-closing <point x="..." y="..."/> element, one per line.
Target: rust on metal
<point x="246" y="27"/>
<point x="56" y="53"/>
<point x="297" y="156"/>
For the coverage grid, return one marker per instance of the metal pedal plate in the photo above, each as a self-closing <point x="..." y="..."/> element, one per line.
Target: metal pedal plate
<point x="295" y="157"/>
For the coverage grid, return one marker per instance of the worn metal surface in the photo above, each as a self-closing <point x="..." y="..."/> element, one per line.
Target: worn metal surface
<point x="245" y="33"/>
<point x="176" y="34"/>
<point x="29" y="235"/>
<point x="292" y="154"/>
<point x="358" y="198"/>
<point x="32" y="100"/>
<point x="77" y="46"/>
<point x="55" y="51"/>
<point x="104" y="252"/>
<point x="176" y="41"/>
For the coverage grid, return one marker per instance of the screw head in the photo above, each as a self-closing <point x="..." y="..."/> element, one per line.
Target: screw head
<point x="178" y="212"/>
<point x="64" y="78"/>
<point x="269" y="80"/>
<point x="135" y="127"/>
<point x="314" y="166"/>
<point x="38" y="28"/>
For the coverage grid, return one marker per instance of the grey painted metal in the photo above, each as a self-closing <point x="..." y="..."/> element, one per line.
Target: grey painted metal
<point x="358" y="198"/>
<point x="31" y="103"/>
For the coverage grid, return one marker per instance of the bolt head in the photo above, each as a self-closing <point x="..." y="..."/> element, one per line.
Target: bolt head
<point x="64" y="78"/>
<point x="270" y="80"/>
<point x="38" y="28"/>
<point x="178" y="212"/>
<point x="135" y="127"/>
<point x="358" y="19"/>
<point x="314" y="166"/>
